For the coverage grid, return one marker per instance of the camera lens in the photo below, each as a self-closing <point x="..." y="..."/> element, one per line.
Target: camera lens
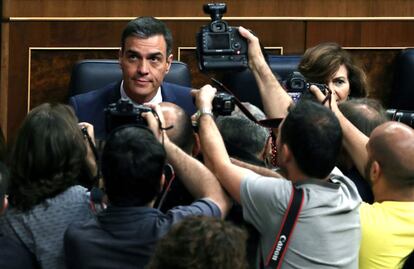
<point x="297" y="84"/>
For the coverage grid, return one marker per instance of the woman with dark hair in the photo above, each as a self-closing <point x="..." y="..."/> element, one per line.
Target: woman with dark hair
<point x="330" y="64"/>
<point x="46" y="163"/>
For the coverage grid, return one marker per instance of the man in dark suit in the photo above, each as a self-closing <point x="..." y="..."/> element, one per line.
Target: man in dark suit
<point x="145" y="58"/>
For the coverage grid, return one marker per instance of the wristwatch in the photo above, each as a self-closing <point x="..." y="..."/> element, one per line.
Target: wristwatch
<point x="204" y="111"/>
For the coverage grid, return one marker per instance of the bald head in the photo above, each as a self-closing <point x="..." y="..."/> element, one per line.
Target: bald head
<point x="182" y="133"/>
<point x="364" y="113"/>
<point x="392" y="145"/>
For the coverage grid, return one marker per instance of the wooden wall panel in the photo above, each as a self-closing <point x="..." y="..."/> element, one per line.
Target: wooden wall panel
<point x="361" y="33"/>
<point x="378" y="65"/>
<point x="50" y="71"/>
<point x="247" y="8"/>
<point x="47" y="34"/>
<point x="47" y="67"/>
<point x="270" y="19"/>
<point x="293" y="36"/>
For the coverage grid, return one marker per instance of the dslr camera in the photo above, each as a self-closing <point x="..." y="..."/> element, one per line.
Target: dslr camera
<point x="223" y="104"/>
<point x="298" y="88"/>
<point x="220" y="46"/>
<point x="124" y="112"/>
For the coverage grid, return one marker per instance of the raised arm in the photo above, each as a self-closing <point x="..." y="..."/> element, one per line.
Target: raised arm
<point x="354" y="140"/>
<point x="214" y="150"/>
<point x="197" y="178"/>
<point x="274" y="98"/>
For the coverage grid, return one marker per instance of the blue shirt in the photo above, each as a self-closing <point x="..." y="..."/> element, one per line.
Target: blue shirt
<point x="125" y="237"/>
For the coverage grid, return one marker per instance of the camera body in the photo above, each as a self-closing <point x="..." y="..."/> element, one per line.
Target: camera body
<point x="220" y="46"/>
<point x="298" y="88"/>
<point x="223" y="104"/>
<point x="124" y="112"/>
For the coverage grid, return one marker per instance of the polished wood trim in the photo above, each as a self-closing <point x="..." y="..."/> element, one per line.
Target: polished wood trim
<point x="12" y="19"/>
<point x="28" y="79"/>
<point x="179" y="49"/>
<point x="116" y="8"/>
<point x="194" y="48"/>
<point x="74" y="48"/>
<point x="375" y="48"/>
<point x="4" y="77"/>
<point x="275" y="48"/>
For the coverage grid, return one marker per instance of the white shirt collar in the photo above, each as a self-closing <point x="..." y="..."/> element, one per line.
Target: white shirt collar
<point x="155" y="100"/>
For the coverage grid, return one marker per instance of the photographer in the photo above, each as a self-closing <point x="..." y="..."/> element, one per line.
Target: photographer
<point x="124" y="235"/>
<point x="386" y="159"/>
<point x="331" y="201"/>
<point x="48" y="160"/>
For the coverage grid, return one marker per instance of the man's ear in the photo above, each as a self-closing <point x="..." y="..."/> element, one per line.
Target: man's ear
<point x="169" y="62"/>
<point x="5" y="205"/>
<point x="197" y="145"/>
<point x="162" y="182"/>
<point x="286" y="154"/>
<point x="375" y="172"/>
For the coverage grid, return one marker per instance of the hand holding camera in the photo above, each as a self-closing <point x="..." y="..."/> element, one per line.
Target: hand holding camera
<point x="207" y="99"/>
<point x="156" y="122"/>
<point x="220" y="46"/>
<point x="298" y="88"/>
<point x="204" y="97"/>
<point x="323" y="98"/>
<point x="124" y="112"/>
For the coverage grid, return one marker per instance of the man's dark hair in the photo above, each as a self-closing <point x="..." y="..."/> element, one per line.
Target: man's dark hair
<point x="145" y="27"/>
<point x="201" y="242"/>
<point x="314" y="136"/>
<point x="365" y="113"/>
<point x="4" y="177"/>
<point x="132" y="166"/>
<point x="243" y="138"/>
<point x="48" y="155"/>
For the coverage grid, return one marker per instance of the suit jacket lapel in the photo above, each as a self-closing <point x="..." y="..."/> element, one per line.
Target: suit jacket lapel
<point x="115" y="94"/>
<point x="167" y="94"/>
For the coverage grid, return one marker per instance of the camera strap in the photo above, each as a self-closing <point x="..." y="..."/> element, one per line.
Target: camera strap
<point x="94" y="150"/>
<point x="267" y="123"/>
<point x="278" y="251"/>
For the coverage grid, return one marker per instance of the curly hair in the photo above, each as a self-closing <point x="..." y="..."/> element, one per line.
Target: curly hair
<point x="47" y="157"/>
<point x="201" y="242"/>
<point x="322" y="61"/>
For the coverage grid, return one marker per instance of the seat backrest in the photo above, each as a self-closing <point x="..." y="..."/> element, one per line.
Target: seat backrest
<point x="88" y="75"/>
<point x="402" y="94"/>
<point x="244" y="85"/>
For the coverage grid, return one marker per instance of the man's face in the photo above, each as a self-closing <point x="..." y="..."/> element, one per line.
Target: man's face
<point x="144" y="63"/>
